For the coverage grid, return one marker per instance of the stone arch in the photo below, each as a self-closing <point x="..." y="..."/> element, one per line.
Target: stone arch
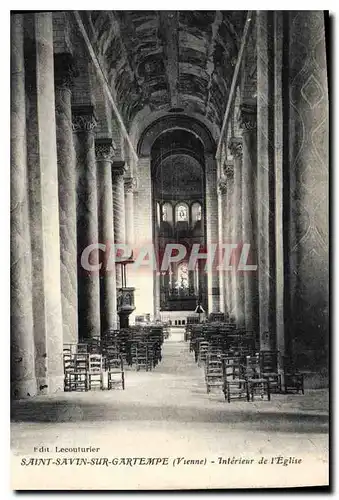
<point x="167" y="123"/>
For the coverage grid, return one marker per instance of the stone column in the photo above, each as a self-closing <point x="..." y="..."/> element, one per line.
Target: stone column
<point x="191" y="281"/>
<point x="84" y="122"/>
<point x="238" y="276"/>
<point x="248" y="122"/>
<point x="156" y="274"/>
<point x="222" y="186"/>
<point x="130" y="186"/>
<point x="64" y="72"/>
<point x="306" y="122"/>
<point x="279" y="71"/>
<point x="212" y="231"/>
<point x="118" y="170"/>
<point x="143" y="275"/>
<point x="44" y="206"/>
<point x="23" y="381"/>
<point x="266" y="179"/>
<point x="104" y="153"/>
<point x="228" y="226"/>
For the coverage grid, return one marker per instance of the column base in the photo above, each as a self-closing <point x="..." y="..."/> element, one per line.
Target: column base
<point x="50" y="385"/>
<point x="56" y="384"/>
<point x="23" y="389"/>
<point x="213" y="303"/>
<point x="42" y="386"/>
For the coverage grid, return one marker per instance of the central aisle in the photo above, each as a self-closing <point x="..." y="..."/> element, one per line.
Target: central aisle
<point x="167" y="413"/>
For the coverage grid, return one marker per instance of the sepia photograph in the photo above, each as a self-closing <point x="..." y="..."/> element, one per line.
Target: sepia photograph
<point x="169" y="249"/>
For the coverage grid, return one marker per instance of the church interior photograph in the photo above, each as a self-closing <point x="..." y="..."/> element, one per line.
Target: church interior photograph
<point x="169" y="248"/>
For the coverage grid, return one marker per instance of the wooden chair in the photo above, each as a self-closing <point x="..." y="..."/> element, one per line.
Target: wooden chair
<point x="213" y="372"/>
<point x="95" y="374"/>
<point x="111" y="351"/>
<point x="257" y="385"/>
<point x="78" y="378"/>
<point x="69" y="371"/>
<point x="235" y="385"/>
<point x="203" y="350"/>
<point x="115" y="373"/>
<point x="82" y="348"/>
<point x="269" y="369"/>
<point x="94" y="345"/>
<point x="140" y="357"/>
<point x="293" y="379"/>
<point x="70" y="348"/>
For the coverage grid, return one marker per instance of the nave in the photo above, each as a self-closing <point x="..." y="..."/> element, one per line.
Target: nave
<point x="188" y="131"/>
<point x="167" y="412"/>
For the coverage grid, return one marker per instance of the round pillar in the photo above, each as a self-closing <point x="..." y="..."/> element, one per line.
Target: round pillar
<point x="84" y="122"/>
<point x="23" y="381"/>
<point x="236" y="148"/>
<point x="118" y="170"/>
<point x="248" y="120"/>
<point x="104" y="153"/>
<point x="64" y="73"/>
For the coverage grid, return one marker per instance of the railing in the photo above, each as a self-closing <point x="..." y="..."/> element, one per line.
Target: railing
<point x="173" y="293"/>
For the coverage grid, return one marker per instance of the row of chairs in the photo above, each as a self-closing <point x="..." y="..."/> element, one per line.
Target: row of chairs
<point x="100" y="362"/>
<point x="85" y="371"/>
<point x="223" y="338"/>
<point x="219" y="346"/>
<point x="246" y="376"/>
<point x="256" y="375"/>
<point x="145" y="347"/>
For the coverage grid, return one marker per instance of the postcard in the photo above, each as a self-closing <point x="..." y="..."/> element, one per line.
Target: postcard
<point x="169" y="250"/>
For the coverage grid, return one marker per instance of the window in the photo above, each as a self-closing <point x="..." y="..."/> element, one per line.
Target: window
<point x="158" y="213"/>
<point x="182" y="282"/>
<point x="181" y="213"/>
<point x="166" y="213"/>
<point x="196" y="212"/>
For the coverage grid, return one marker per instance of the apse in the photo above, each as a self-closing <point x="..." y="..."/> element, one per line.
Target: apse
<point x="178" y="180"/>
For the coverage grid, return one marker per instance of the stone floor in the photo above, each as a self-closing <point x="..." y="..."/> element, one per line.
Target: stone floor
<point x="167" y="413"/>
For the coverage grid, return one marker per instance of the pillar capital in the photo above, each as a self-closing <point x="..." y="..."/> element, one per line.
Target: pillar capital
<point x="64" y="70"/>
<point x="83" y="118"/>
<point x="104" y="150"/>
<point x="235" y="147"/>
<point x="130" y="184"/>
<point x="229" y="169"/>
<point x="248" y="116"/>
<point x="222" y="184"/>
<point x="118" y="167"/>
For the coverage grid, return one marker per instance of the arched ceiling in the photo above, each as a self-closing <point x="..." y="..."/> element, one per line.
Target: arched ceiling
<point x="172" y="142"/>
<point x="179" y="176"/>
<point x="179" y="61"/>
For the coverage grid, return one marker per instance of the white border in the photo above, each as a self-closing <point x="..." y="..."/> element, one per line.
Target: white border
<point x="5" y="181"/>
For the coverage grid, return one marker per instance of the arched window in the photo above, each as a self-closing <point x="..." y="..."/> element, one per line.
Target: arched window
<point x="166" y="212"/>
<point x="158" y="213"/>
<point x="196" y="212"/>
<point x="182" y="281"/>
<point x="181" y="213"/>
